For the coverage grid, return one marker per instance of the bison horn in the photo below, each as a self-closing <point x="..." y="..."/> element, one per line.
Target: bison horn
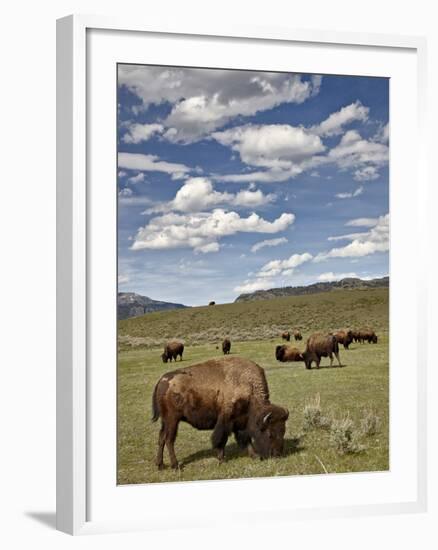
<point x="266" y="417"/>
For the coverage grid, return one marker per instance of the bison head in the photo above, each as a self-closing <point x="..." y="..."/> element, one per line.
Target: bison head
<point x="374" y="338"/>
<point x="279" y="353"/>
<point x="164" y="357"/>
<point x="308" y="357"/>
<point x="268" y="435"/>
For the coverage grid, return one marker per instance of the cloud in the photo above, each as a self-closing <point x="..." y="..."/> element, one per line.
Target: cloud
<point x="198" y="194"/>
<point x="151" y="163"/>
<point x="141" y="132"/>
<point x="369" y="242"/>
<point x="203" y="100"/>
<point x="329" y="276"/>
<point x="202" y="231"/>
<point x="354" y="152"/>
<point x="351" y="195"/>
<point x="334" y="124"/>
<point x="123" y="279"/>
<point x="275" y="268"/>
<point x="362" y="222"/>
<point x="125" y="192"/>
<point x="268" y="242"/>
<point x="274" y="146"/>
<point x="267" y="276"/>
<point x="139" y="178"/>
<point x="366" y="173"/>
<point x="252" y="286"/>
<point x="382" y="134"/>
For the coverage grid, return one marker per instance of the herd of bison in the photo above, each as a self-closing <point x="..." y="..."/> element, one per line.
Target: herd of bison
<point x="230" y="395"/>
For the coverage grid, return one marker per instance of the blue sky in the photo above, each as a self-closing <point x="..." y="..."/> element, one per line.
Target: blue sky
<point x="234" y="181"/>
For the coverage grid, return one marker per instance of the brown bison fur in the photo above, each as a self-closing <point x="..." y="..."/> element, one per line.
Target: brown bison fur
<point x="297" y="335"/>
<point x="226" y="395"/>
<point x="344" y="337"/>
<point x="367" y="335"/>
<point x="321" y="345"/>
<point x="172" y="350"/>
<point x="286" y="335"/>
<point x="287" y="353"/>
<point x="226" y="346"/>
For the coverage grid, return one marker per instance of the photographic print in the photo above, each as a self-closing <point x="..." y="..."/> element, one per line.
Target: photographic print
<point x="253" y="274"/>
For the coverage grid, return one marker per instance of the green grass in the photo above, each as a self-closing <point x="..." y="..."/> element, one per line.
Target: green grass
<point x="360" y="386"/>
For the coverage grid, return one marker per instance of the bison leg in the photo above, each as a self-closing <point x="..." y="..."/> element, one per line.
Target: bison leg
<point x="219" y="437"/>
<point x="337" y="357"/>
<point x="171" y="431"/>
<point x="243" y="439"/>
<point x="161" y="442"/>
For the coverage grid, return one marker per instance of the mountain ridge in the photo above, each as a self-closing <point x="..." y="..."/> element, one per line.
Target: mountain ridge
<point x="131" y="304"/>
<point x="342" y="284"/>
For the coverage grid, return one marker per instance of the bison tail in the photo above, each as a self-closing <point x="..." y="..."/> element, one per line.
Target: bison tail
<point x="155" y="408"/>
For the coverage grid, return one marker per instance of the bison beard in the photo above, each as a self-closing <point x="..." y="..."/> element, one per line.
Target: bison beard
<point x="227" y="395"/>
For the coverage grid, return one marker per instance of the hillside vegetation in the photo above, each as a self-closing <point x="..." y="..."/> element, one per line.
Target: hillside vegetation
<point x="258" y="320"/>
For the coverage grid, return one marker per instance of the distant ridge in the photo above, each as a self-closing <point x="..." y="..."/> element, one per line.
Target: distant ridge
<point x="130" y="304"/>
<point x="343" y="284"/>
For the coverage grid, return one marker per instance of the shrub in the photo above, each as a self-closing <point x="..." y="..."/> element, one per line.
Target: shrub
<point x="370" y="423"/>
<point x="344" y="437"/>
<point x="313" y="417"/>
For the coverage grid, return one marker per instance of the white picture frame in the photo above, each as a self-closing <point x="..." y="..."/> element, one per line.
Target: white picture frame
<point x="76" y="214"/>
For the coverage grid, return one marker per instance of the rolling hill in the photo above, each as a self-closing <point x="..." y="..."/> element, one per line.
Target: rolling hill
<point x="349" y="283"/>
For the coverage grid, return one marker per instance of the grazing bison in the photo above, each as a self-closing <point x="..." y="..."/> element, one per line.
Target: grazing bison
<point x="226" y="346"/>
<point x="355" y="334"/>
<point x="297" y="335"/>
<point x="212" y="303"/>
<point x="226" y="395"/>
<point x="287" y="353"/>
<point x="321" y="345"/>
<point x="367" y="335"/>
<point x="286" y="336"/>
<point x="344" y="337"/>
<point x="172" y="350"/>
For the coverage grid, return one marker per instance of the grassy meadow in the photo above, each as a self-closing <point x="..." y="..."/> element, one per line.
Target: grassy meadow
<point x="360" y="386"/>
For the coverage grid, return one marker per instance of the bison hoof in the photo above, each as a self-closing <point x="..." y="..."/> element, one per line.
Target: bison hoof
<point x="160" y="466"/>
<point x="176" y="466"/>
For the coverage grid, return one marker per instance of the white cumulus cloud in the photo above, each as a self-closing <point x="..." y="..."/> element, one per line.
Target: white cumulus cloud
<point x="275" y="268"/>
<point x="151" y="163"/>
<point x="268" y="243"/>
<point x="198" y="194"/>
<point x="202" y="231"/>
<point x="141" y="132"/>
<point x="334" y="124"/>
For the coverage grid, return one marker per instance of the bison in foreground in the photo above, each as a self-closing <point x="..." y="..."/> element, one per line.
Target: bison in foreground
<point x="321" y="345"/>
<point x="226" y="346"/>
<point x="287" y="353"/>
<point x="172" y="350"/>
<point x="226" y="395"/>
<point x="286" y="336"/>
<point x="344" y="337"/>
<point x="297" y="335"/>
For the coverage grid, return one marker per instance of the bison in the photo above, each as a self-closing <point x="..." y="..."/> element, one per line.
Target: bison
<point x="297" y="335"/>
<point x="287" y="353"/>
<point x="367" y="335"/>
<point x="226" y="346"/>
<point x="172" y="350"/>
<point x="321" y="345"/>
<point x="344" y="337"/>
<point x="212" y="303"/>
<point x="226" y="395"/>
<point x="286" y="336"/>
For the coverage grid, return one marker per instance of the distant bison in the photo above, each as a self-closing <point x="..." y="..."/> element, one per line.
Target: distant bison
<point x="344" y="337"/>
<point x="287" y="353"/>
<point x="297" y="335"/>
<point x="286" y="336"/>
<point x="212" y="303"/>
<point x="321" y="345"/>
<point x="226" y="395"/>
<point x="367" y="335"/>
<point x="355" y="334"/>
<point x="226" y="346"/>
<point x="172" y="350"/>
